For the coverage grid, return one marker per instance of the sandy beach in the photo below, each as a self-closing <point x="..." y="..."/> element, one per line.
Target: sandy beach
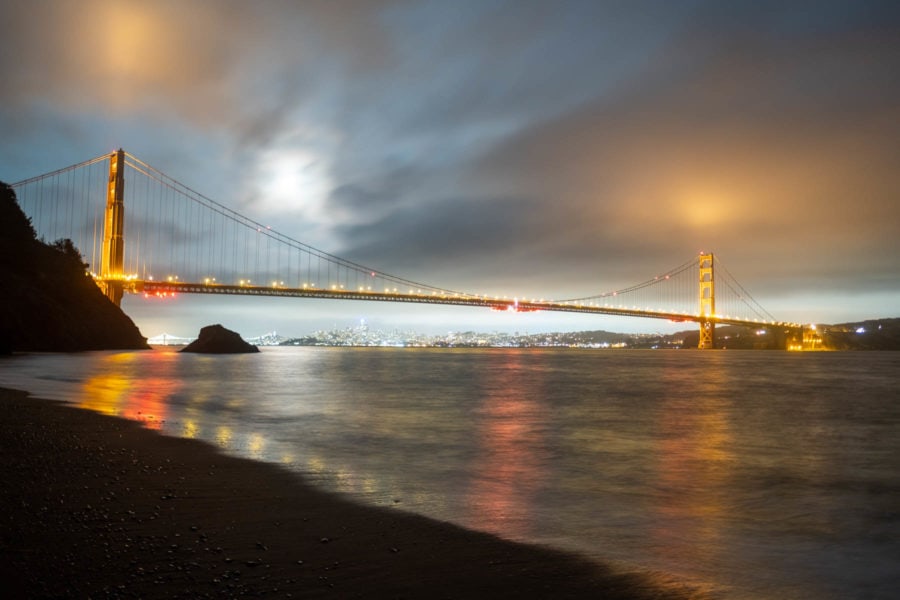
<point x="95" y="506"/>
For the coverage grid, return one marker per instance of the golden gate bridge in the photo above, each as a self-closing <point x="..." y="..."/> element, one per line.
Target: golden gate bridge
<point x="181" y="241"/>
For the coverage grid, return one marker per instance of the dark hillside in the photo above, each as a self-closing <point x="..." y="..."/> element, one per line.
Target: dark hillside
<point x="48" y="303"/>
<point x="873" y="334"/>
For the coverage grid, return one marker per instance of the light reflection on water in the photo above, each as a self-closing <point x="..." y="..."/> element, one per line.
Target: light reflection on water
<point x="756" y="474"/>
<point x="694" y="471"/>
<point x="113" y="391"/>
<point x="506" y="473"/>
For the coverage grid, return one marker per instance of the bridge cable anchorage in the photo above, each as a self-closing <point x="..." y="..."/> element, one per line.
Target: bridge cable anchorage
<point x="179" y="240"/>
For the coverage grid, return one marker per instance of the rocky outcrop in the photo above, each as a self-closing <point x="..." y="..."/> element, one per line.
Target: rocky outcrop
<point x="215" y="339"/>
<point x="48" y="303"/>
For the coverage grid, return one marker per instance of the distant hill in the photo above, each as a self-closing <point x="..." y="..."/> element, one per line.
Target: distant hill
<point x="871" y="334"/>
<point x="881" y="334"/>
<point x="48" y="303"/>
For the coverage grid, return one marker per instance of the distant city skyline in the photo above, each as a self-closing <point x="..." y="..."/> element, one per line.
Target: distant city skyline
<point x="297" y="317"/>
<point x="563" y="148"/>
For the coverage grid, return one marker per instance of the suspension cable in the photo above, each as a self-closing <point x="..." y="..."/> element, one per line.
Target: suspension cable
<point x="60" y="171"/>
<point x="745" y="295"/>
<point x="157" y="175"/>
<point x="658" y="279"/>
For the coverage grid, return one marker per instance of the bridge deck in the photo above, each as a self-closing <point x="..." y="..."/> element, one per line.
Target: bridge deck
<point x="501" y="304"/>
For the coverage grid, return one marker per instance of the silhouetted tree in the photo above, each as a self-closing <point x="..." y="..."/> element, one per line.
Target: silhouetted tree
<point x="67" y="247"/>
<point x="18" y="226"/>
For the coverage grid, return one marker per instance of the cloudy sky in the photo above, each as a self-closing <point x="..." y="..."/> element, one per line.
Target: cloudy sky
<point x="573" y="147"/>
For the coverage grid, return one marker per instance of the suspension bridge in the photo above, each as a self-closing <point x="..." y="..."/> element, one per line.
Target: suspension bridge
<point x="180" y="241"/>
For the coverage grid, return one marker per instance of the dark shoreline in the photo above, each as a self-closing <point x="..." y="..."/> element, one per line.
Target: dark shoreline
<point x="96" y="506"/>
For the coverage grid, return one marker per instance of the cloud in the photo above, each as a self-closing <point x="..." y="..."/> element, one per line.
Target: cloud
<point x="776" y="147"/>
<point x="455" y="238"/>
<point x="217" y="64"/>
<point x="580" y="147"/>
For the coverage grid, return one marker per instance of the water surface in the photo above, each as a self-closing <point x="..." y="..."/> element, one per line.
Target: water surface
<point x="750" y="474"/>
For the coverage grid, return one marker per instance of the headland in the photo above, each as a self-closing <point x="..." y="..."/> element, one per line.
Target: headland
<point x="52" y="304"/>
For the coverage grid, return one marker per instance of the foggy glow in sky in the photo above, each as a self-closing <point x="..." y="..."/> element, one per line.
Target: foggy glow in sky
<point x="499" y="145"/>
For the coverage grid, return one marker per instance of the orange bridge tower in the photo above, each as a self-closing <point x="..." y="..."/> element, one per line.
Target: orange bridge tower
<point x="112" y="260"/>
<point x="707" y="302"/>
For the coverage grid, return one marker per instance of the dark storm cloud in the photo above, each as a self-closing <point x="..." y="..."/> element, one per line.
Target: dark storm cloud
<point x="452" y="235"/>
<point x="379" y="192"/>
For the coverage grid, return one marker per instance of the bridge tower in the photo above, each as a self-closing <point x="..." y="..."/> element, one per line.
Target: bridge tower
<point x="707" y="302"/>
<point x="112" y="259"/>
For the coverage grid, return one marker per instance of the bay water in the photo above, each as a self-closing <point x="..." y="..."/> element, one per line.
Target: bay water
<point x="749" y="475"/>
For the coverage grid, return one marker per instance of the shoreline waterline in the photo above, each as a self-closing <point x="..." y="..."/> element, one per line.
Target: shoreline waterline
<point x="98" y="505"/>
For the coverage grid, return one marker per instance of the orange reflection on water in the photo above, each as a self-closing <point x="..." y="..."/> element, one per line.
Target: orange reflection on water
<point x="694" y="472"/>
<point x="506" y="473"/>
<point x="116" y="392"/>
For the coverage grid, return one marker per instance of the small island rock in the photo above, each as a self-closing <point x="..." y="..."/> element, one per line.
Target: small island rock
<point x="215" y="339"/>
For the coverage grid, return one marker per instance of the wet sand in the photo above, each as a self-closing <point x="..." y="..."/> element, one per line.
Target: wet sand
<point x="95" y="506"/>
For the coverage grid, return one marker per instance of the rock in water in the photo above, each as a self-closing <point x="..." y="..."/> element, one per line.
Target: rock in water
<point x="215" y="339"/>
